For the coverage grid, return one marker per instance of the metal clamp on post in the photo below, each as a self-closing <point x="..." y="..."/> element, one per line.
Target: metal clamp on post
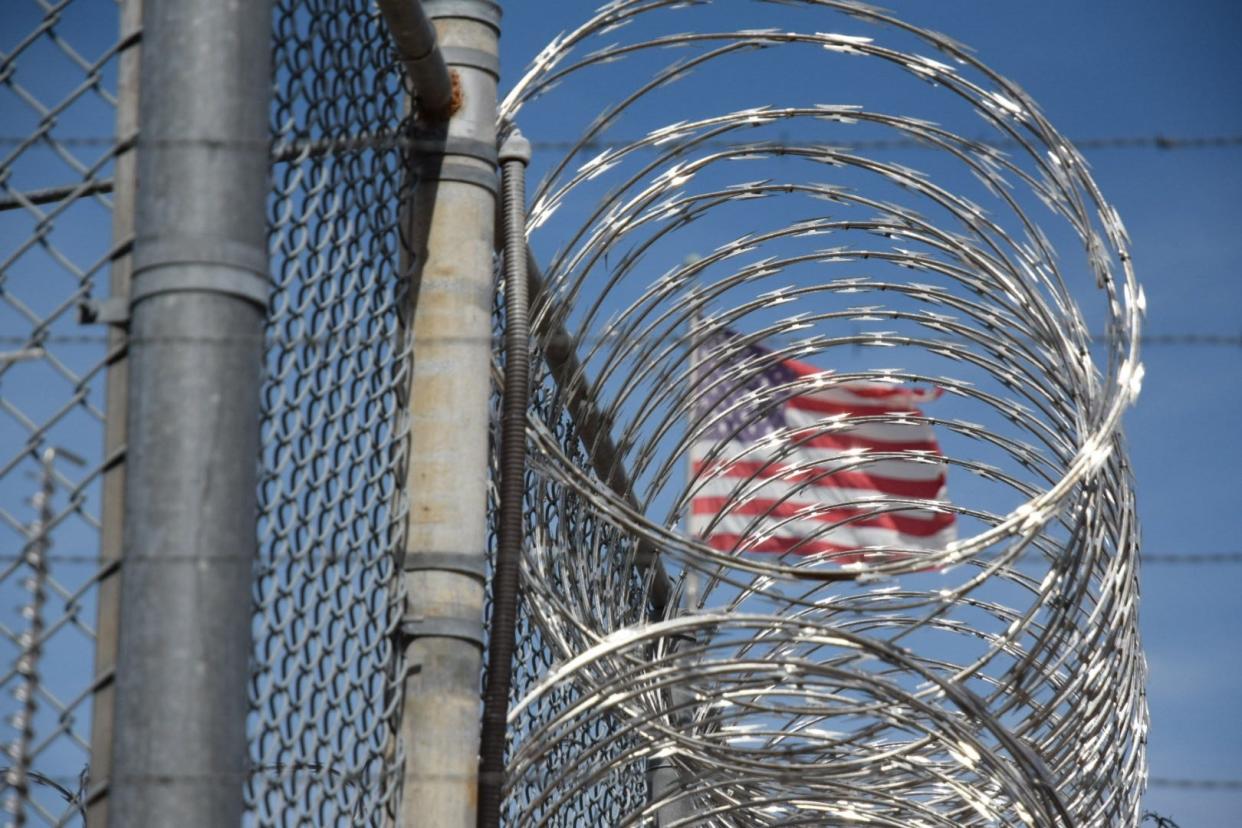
<point x="430" y="145"/>
<point x="435" y="163"/>
<point x="115" y="309"/>
<point x="482" y="11"/>
<point x="473" y="58"/>
<point x="111" y="311"/>
<point x="463" y="629"/>
<point x="238" y="269"/>
<point x="422" y="626"/>
<point x="471" y="566"/>
<point x="461" y="173"/>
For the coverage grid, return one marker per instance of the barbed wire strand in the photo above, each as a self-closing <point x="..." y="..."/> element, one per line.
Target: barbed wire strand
<point x="1188" y="559"/>
<point x="6" y="340"/>
<point x="1122" y="142"/>
<point x="285" y="771"/>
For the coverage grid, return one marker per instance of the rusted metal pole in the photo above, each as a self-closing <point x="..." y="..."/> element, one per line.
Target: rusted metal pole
<point x="415" y="38"/>
<point x="450" y="235"/>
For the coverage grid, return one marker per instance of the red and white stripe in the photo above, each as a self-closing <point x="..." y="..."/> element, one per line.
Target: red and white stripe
<point x="826" y="484"/>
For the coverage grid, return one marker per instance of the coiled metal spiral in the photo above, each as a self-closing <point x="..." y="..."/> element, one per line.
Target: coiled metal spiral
<point x="996" y="679"/>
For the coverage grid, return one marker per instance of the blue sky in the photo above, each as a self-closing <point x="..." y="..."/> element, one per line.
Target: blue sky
<point x="1100" y="69"/>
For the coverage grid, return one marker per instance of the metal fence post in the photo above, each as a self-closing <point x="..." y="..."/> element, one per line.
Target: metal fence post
<point x="451" y="234"/>
<point x="197" y="300"/>
<point x="115" y="415"/>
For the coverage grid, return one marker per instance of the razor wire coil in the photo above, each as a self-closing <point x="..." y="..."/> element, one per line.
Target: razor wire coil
<point x="949" y="688"/>
<point x="908" y="686"/>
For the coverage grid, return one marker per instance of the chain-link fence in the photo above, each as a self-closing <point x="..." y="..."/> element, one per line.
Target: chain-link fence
<point x="327" y="673"/>
<point x="324" y="692"/>
<point x="326" y="677"/>
<point x="581" y="542"/>
<point x="62" y="71"/>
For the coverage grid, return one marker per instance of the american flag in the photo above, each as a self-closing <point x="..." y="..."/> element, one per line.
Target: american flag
<point x="787" y="459"/>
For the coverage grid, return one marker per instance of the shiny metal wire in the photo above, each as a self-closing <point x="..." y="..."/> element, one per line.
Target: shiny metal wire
<point x="995" y="681"/>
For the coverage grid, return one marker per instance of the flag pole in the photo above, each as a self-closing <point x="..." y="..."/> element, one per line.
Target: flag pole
<point x="691" y="580"/>
<point x="664" y="778"/>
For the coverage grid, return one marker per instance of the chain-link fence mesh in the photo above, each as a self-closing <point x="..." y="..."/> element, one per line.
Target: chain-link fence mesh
<point x="582" y="540"/>
<point x="328" y="584"/>
<point x="327" y="588"/>
<point x="59" y="69"/>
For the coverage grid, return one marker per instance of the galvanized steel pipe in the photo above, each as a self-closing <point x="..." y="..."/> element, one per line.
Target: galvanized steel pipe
<point x="197" y="303"/>
<point x="415" y="39"/>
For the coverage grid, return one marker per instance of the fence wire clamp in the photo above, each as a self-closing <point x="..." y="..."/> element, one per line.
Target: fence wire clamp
<point x="472" y="59"/>
<point x="472" y="566"/>
<point x="111" y="311"/>
<point x="486" y="12"/>
<point x="429" y="146"/>
<point x="464" y="629"/>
